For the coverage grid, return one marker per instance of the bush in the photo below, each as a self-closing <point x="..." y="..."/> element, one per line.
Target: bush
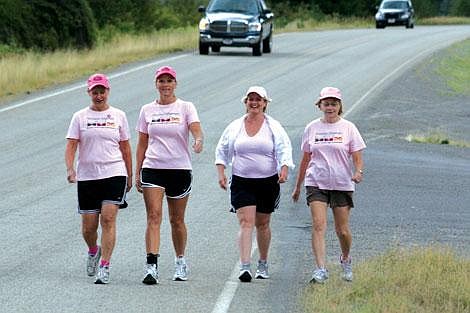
<point x="47" y="24"/>
<point x="460" y="8"/>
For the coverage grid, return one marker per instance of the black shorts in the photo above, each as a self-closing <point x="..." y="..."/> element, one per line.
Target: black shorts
<point x="177" y="183"/>
<point x="264" y="193"/>
<point x="92" y="194"/>
<point x="334" y="198"/>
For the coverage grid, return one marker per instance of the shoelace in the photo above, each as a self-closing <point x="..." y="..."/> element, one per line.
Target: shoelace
<point x="180" y="268"/>
<point x="262" y="267"/>
<point x="151" y="269"/>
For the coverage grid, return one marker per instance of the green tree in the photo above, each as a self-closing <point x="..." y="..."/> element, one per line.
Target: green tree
<point x="460" y="8"/>
<point x="47" y="24"/>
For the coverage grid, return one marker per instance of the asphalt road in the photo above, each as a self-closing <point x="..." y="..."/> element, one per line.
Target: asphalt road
<point x="412" y="194"/>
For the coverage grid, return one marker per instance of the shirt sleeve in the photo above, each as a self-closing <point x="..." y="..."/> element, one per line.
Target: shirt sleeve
<point x="192" y="113"/>
<point x="74" y="128"/>
<point x="305" y="145"/>
<point x="357" y="143"/>
<point x="222" y="148"/>
<point x="124" y="132"/>
<point x="142" y="125"/>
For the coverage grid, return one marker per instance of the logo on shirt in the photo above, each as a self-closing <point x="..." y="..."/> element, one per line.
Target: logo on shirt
<point x="166" y="118"/>
<point x="329" y="137"/>
<point x="101" y="122"/>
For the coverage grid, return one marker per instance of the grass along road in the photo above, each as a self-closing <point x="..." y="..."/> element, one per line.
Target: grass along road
<point x="26" y="72"/>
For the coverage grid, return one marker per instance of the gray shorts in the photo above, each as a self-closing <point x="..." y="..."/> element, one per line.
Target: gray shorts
<point x="334" y="198"/>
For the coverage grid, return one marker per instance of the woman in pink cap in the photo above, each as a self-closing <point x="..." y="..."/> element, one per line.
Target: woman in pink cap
<point x="329" y="144"/>
<point x="163" y="168"/>
<point x="260" y="153"/>
<point x="104" y="172"/>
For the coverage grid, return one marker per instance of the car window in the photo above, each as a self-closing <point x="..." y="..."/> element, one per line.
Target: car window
<point x="238" y="6"/>
<point x="395" y="5"/>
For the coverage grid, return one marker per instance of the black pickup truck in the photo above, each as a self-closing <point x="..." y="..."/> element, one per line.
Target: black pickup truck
<point x="236" y="23"/>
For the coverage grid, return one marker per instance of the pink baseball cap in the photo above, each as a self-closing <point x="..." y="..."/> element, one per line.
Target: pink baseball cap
<point x="98" y="80"/>
<point x="329" y="92"/>
<point x="165" y="70"/>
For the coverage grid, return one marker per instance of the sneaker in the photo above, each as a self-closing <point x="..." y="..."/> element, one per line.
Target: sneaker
<point x="245" y="273"/>
<point x="320" y="275"/>
<point x="347" y="274"/>
<point x="151" y="274"/>
<point x="262" y="270"/>
<point x="102" y="276"/>
<point x="92" y="262"/>
<point x="181" y="270"/>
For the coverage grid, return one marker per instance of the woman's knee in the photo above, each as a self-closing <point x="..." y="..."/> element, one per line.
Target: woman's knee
<point x="246" y="223"/>
<point x="319" y="226"/>
<point x="343" y="231"/>
<point x="154" y="217"/>
<point x="108" y="220"/>
<point x="177" y="221"/>
<point x="89" y="229"/>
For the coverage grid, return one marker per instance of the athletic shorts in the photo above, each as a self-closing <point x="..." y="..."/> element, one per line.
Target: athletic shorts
<point x="177" y="183"/>
<point x="264" y="193"/>
<point x="92" y="194"/>
<point x="334" y="198"/>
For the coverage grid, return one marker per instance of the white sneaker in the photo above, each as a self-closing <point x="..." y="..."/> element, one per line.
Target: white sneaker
<point x="92" y="262"/>
<point x="151" y="274"/>
<point x="245" y="273"/>
<point x="320" y="275"/>
<point x="346" y="265"/>
<point x="181" y="269"/>
<point x="102" y="276"/>
<point x="262" y="270"/>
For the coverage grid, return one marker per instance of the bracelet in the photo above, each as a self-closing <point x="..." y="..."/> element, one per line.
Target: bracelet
<point x="361" y="171"/>
<point x="198" y="139"/>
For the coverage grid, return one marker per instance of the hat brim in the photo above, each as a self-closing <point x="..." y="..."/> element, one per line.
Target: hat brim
<point x="98" y="84"/>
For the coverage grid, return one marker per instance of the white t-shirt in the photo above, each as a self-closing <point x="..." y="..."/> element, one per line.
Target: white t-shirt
<point x="330" y="146"/>
<point x="168" y="129"/>
<point x="254" y="156"/>
<point x="99" y="134"/>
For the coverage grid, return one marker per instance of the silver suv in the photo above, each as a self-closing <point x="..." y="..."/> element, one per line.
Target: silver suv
<point x="236" y="23"/>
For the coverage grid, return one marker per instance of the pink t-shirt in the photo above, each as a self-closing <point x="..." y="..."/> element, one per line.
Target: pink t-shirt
<point x="254" y="156"/>
<point x="330" y="146"/>
<point x="168" y="130"/>
<point x="99" y="134"/>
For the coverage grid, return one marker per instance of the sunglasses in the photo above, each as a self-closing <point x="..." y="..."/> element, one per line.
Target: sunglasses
<point x="168" y="80"/>
<point x="329" y="103"/>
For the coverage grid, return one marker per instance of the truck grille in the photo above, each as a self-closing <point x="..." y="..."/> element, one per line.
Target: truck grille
<point x="228" y="26"/>
<point x="392" y="15"/>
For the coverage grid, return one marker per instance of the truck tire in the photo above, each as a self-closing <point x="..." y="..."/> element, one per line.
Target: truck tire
<point x="257" y="49"/>
<point x="268" y="43"/>
<point x="203" y="48"/>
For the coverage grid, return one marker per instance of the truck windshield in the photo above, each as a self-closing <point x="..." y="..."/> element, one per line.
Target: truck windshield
<point x="395" y="5"/>
<point x="237" y="6"/>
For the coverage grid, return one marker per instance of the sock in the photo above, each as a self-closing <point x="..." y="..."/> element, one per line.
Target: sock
<point x="93" y="250"/>
<point x="104" y="263"/>
<point x="152" y="258"/>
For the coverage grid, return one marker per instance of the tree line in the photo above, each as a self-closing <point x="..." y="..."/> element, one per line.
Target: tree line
<point x="78" y="24"/>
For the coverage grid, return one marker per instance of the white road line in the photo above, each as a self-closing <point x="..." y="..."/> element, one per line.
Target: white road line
<point x="226" y="296"/>
<point x="380" y="82"/>
<point x="64" y="91"/>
